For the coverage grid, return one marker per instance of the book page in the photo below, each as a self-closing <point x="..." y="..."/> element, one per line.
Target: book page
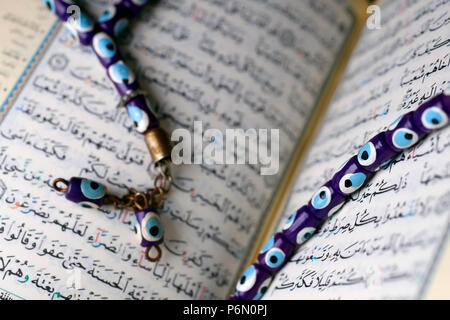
<point x="260" y="65"/>
<point x="21" y="32"/>
<point x="386" y="240"/>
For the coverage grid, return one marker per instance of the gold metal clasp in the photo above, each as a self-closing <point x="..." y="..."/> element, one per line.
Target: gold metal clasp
<point x="158" y="144"/>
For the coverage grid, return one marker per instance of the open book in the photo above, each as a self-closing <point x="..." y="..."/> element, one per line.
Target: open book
<point x="230" y="64"/>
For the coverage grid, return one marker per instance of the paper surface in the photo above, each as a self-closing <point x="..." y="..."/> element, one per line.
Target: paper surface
<point x="386" y="240"/>
<point x="224" y="63"/>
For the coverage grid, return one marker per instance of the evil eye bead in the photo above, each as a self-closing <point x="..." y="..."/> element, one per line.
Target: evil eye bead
<point x="403" y="134"/>
<point x="50" y="5"/>
<point x="404" y="138"/>
<point x="322" y="198"/>
<point x="108" y="14"/>
<point x="433" y="114"/>
<point x="350" y="177"/>
<point x="305" y="234"/>
<point x="263" y="289"/>
<point x="375" y="153"/>
<point x="119" y="73"/>
<point x="434" y="118"/>
<point x="141" y="114"/>
<point x="274" y="253"/>
<point x="247" y="280"/>
<point x="86" y="193"/>
<point x="253" y="283"/>
<point x="274" y="258"/>
<point x="114" y="20"/>
<point x="151" y="227"/>
<point x="140" y="118"/>
<point x="351" y="182"/>
<point x="104" y="46"/>
<point x="367" y="155"/>
<point x="301" y="227"/>
<point x="92" y="189"/>
<point x="325" y="199"/>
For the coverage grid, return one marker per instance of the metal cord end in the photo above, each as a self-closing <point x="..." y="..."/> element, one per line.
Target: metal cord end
<point x="158" y="254"/>
<point x="58" y="182"/>
<point x="158" y="144"/>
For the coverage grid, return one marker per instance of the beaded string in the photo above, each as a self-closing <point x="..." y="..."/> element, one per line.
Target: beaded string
<point x="300" y="226"/>
<point x="116" y="18"/>
<point x="91" y="34"/>
<point x="402" y="134"/>
<point x="90" y="193"/>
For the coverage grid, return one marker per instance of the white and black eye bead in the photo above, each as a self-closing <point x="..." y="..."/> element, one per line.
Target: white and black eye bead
<point x="92" y="190"/>
<point x="120" y="73"/>
<point x="263" y="289"/>
<point x="289" y="221"/>
<point x="104" y="46"/>
<point x="107" y="14"/>
<point x="367" y="155"/>
<point x="86" y="193"/>
<point x="404" y="138"/>
<point x="351" y="182"/>
<point x="50" y="5"/>
<point x="322" y="198"/>
<point x="151" y="227"/>
<point x="139" y="117"/>
<point x="305" y="234"/>
<point x="268" y="244"/>
<point x="434" y="118"/>
<point x="247" y="280"/>
<point x="274" y="258"/>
